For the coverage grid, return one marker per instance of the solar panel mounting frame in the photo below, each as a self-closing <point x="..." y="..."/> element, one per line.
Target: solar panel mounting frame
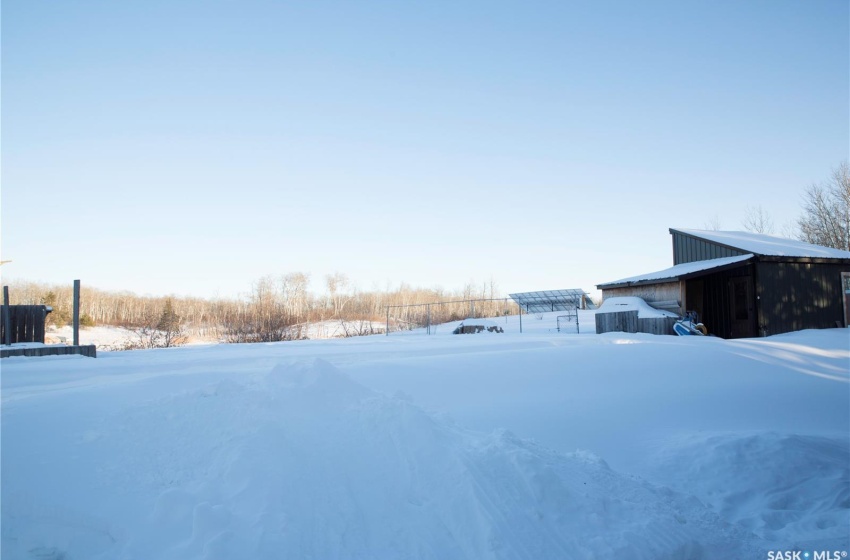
<point x="545" y="301"/>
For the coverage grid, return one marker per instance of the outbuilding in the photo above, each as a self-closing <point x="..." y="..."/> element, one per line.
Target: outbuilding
<point x="746" y="284"/>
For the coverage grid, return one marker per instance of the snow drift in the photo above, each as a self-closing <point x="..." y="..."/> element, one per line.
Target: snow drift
<point x="318" y="450"/>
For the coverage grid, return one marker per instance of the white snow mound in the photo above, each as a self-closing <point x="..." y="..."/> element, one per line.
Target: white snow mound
<point x="300" y="461"/>
<point x="783" y="487"/>
<point x="630" y="303"/>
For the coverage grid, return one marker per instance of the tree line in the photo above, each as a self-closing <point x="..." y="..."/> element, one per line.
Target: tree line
<point x="276" y="308"/>
<point x="825" y="216"/>
<point x="284" y="307"/>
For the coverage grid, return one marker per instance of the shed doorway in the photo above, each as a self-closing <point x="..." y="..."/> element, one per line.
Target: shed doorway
<point x="742" y="308"/>
<point x="845" y="285"/>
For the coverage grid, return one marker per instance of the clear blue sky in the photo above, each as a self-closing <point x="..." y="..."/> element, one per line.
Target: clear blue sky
<point x="193" y="147"/>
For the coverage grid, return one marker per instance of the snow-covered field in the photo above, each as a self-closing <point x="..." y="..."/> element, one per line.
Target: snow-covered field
<point x="533" y="445"/>
<point x="109" y="338"/>
<point x="104" y="337"/>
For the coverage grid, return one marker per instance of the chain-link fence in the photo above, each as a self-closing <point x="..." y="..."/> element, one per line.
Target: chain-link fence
<point x="427" y="316"/>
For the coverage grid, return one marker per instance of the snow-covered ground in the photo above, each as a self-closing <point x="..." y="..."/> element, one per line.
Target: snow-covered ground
<point x="104" y="337"/>
<point x="109" y="338"/>
<point x="533" y="445"/>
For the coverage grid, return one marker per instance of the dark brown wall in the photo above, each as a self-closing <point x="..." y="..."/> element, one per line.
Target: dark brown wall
<point x="796" y="296"/>
<point x="714" y="305"/>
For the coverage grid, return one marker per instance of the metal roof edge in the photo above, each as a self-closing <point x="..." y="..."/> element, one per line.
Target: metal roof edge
<point x="804" y="260"/>
<point x="678" y="277"/>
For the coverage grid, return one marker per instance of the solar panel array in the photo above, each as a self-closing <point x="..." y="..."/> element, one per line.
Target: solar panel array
<point x="549" y="300"/>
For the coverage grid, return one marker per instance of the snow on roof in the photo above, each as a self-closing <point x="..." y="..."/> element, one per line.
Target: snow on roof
<point x="630" y="303"/>
<point x="767" y="245"/>
<point x="680" y="270"/>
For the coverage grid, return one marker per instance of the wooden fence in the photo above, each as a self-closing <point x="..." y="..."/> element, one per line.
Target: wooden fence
<point x="628" y="322"/>
<point x="26" y="323"/>
<point x="88" y="350"/>
<point x="657" y="325"/>
<point x="620" y="321"/>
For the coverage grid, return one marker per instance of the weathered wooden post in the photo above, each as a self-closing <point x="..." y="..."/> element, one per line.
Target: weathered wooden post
<point x="7" y="317"/>
<point x="388" y="320"/>
<point x="76" y="312"/>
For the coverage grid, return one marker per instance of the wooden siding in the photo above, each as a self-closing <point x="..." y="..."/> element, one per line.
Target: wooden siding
<point x="690" y="249"/>
<point x="629" y="322"/>
<point x="795" y="296"/>
<point x="619" y="321"/>
<point x="26" y="323"/>
<point x="657" y="325"/>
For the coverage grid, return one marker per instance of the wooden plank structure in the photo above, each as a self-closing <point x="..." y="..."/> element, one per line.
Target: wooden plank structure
<point x="657" y="325"/>
<point x="21" y="324"/>
<point x="25" y="323"/>
<point x="88" y="350"/>
<point x="620" y="321"/>
<point x="629" y="322"/>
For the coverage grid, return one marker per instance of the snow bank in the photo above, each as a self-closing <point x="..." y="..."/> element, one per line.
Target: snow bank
<point x="783" y="487"/>
<point x="104" y="337"/>
<point x="304" y="462"/>
<point x="431" y="447"/>
<point x="645" y="311"/>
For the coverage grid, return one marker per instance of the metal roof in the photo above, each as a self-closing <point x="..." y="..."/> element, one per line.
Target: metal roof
<point x="679" y="272"/>
<point x="766" y="245"/>
<point x="549" y="300"/>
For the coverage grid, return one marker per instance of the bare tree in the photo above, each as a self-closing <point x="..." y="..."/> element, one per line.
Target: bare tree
<point x="360" y="327"/>
<point x="277" y="308"/>
<point x="157" y="330"/>
<point x="757" y="220"/>
<point x="262" y="318"/>
<point x="336" y="283"/>
<point x="826" y="211"/>
<point x="713" y="224"/>
<point x="294" y="292"/>
<point x="790" y="230"/>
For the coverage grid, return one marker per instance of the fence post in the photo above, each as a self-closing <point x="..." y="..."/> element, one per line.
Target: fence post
<point x="40" y="324"/>
<point x="578" y="329"/>
<point x="7" y="319"/>
<point x="388" y="320"/>
<point x="76" y="312"/>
